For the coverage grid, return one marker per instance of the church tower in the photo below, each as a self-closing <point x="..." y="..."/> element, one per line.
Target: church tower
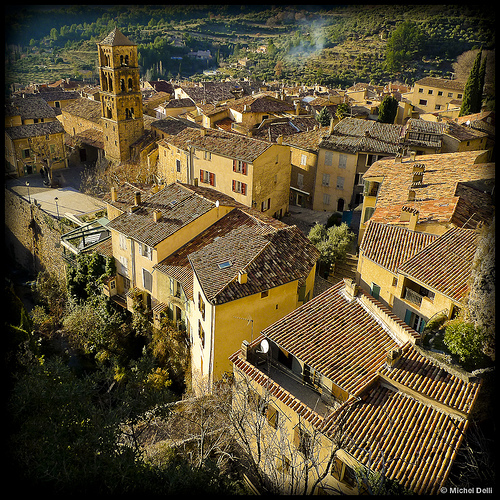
<point x="121" y="100"/>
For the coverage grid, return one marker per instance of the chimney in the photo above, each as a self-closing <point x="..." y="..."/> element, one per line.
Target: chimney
<point x="244" y="349"/>
<point x="412" y="155"/>
<point x="114" y="194"/>
<point x="412" y="224"/>
<point x="157" y="215"/>
<point x="137" y="198"/>
<point x="409" y="215"/>
<point x="279" y="139"/>
<point x="398" y="158"/>
<point x="330" y="130"/>
<point x="393" y="357"/>
<point x="203" y="132"/>
<point x="242" y="277"/>
<point x="350" y="288"/>
<point x="196" y="181"/>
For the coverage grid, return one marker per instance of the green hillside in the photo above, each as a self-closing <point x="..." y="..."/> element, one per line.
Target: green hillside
<point x="333" y="45"/>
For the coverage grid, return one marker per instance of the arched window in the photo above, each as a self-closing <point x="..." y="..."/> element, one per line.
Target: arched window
<point x="121" y="60"/>
<point x="130" y="84"/>
<point x="110" y="84"/>
<point x="126" y="60"/>
<point x="122" y="82"/>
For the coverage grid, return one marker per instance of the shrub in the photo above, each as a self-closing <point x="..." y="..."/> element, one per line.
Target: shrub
<point x="464" y="340"/>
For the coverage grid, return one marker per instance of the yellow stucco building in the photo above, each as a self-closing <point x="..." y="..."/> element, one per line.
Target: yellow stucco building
<point x="255" y="173"/>
<point x="208" y="263"/>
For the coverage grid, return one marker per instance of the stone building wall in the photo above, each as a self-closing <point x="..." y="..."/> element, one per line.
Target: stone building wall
<point x="32" y="237"/>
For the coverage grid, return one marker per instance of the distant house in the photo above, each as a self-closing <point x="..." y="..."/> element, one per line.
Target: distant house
<point x="432" y="94"/>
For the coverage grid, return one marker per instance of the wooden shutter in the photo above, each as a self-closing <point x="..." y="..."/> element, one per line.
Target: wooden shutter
<point x="234" y="185"/>
<point x="243" y="188"/>
<point x="211" y="178"/>
<point x="244" y="169"/>
<point x="234" y="166"/>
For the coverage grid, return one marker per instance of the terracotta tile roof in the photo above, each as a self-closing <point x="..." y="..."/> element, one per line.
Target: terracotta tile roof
<point x="217" y="141"/>
<point x="308" y="140"/>
<point x="28" y="107"/>
<point x="437" y="198"/>
<point x="86" y="108"/>
<point x="409" y="420"/>
<point x="337" y="338"/>
<point x="390" y="246"/>
<point x="178" y="207"/>
<point x="125" y="194"/>
<point x="261" y="103"/>
<point x="442" y="83"/>
<point x="34" y="130"/>
<point x="445" y="265"/>
<point x="416" y="375"/>
<point x="353" y="135"/>
<point x="269" y="255"/>
<point x="403" y="438"/>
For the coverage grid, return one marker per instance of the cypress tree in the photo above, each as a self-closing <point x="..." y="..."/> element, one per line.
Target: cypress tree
<point x="469" y="102"/>
<point x="482" y="75"/>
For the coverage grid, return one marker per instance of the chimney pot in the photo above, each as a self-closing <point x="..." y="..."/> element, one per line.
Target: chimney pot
<point x="114" y="194"/>
<point x="242" y="277"/>
<point x="137" y="198"/>
<point x="412" y="155"/>
<point x="244" y="349"/>
<point x="157" y="215"/>
<point x="393" y="357"/>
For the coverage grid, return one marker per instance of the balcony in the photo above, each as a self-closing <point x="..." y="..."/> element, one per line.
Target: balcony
<point x="413" y="297"/>
<point x="320" y="401"/>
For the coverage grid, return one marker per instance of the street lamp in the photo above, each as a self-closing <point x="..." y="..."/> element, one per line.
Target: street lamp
<point x="28" y="186"/>
<point x="57" y="206"/>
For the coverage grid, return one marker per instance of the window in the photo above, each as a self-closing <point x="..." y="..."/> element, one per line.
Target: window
<point x="340" y="182"/>
<point x="329" y="158"/>
<point x="178" y="165"/>
<point x="459" y="96"/>
<point x="326" y="199"/>
<point x="123" y="242"/>
<point x="175" y="288"/>
<point x="265" y="205"/>
<point x="303" y="159"/>
<point x="430" y="91"/>
<point x="342" y="161"/>
<point x="302" y="441"/>
<point x="300" y="180"/>
<point x="326" y="180"/>
<point x="201" y="306"/>
<point x="440" y="92"/>
<point x="272" y="416"/>
<point x="124" y="265"/>
<point x="239" y="187"/>
<point x="147" y="280"/>
<point x="207" y="155"/>
<point x="375" y="290"/>
<point x="437" y="106"/>
<point x="240" y="167"/>
<point x="450" y="94"/>
<point x="283" y="464"/>
<point x="25" y="153"/>
<point x="264" y="294"/>
<point x="225" y="265"/>
<point x="343" y="473"/>
<point x="368" y="213"/>
<point x="145" y="251"/>
<point x="420" y="91"/>
<point x="201" y="334"/>
<point x="394" y="281"/>
<point x="423" y="102"/>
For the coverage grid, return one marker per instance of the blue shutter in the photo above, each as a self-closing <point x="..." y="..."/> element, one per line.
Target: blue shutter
<point x="408" y="316"/>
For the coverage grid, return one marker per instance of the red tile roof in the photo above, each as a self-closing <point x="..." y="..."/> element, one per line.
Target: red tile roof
<point x="445" y="265"/>
<point x="390" y="246"/>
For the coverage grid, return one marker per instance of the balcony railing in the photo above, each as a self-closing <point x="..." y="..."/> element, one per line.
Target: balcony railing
<point x="413" y="297"/>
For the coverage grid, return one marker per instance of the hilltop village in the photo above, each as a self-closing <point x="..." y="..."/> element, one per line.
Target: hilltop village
<point x="200" y="197"/>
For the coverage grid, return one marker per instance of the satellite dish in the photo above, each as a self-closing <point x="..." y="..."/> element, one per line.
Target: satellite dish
<point x="264" y="346"/>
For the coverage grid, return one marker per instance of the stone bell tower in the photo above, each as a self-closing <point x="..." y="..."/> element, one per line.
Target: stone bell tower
<point x="121" y="101"/>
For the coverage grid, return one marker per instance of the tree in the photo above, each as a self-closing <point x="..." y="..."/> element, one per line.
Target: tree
<point x="405" y="43"/>
<point x="480" y="87"/>
<point x="471" y="91"/>
<point x="465" y="340"/>
<point x="324" y="117"/>
<point x="332" y="243"/>
<point x="388" y="110"/>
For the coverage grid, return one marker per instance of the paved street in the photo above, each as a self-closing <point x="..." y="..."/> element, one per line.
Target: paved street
<point x="69" y="199"/>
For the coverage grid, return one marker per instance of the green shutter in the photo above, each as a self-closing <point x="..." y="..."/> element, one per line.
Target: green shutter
<point x="408" y="316"/>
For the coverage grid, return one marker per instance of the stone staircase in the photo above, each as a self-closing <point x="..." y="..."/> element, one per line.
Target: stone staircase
<point x="345" y="269"/>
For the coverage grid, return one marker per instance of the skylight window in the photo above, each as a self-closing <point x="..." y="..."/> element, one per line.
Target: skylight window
<point x="225" y="265"/>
